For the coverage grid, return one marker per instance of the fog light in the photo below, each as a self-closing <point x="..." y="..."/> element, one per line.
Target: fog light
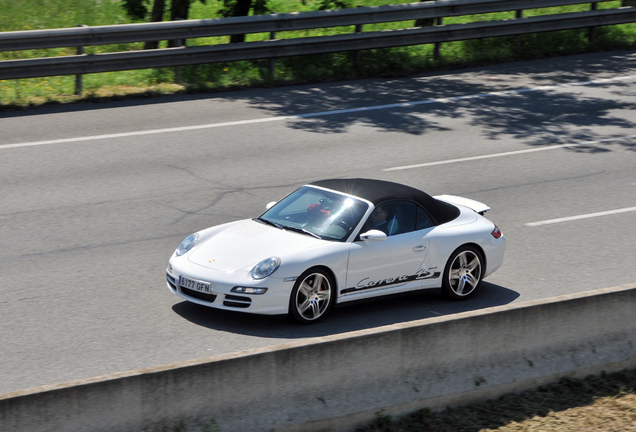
<point x="248" y="290"/>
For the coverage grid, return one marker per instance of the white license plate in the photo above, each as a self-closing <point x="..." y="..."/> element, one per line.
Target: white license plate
<point x="196" y="285"/>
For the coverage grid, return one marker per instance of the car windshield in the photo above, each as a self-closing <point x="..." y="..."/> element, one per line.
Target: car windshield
<point x="324" y="214"/>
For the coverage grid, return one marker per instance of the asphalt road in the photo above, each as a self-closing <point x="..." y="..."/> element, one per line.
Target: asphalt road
<point x="95" y="197"/>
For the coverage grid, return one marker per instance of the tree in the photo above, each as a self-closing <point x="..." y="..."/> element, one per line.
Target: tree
<point x="139" y="10"/>
<point x="179" y="9"/>
<point x="158" y="9"/>
<point x="136" y="9"/>
<point x="333" y="4"/>
<point x="236" y="8"/>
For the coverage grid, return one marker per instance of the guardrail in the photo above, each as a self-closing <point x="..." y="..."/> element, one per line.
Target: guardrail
<point x="277" y="48"/>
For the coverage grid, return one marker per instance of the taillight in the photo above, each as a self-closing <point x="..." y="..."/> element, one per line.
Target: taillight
<point x="496" y="233"/>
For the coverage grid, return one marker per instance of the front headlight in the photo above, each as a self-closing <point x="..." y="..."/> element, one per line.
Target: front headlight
<point x="187" y="244"/>
<point x="265" y="268"/>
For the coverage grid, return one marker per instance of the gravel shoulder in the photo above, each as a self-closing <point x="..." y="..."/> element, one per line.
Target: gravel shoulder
<point x="597" y="403"/>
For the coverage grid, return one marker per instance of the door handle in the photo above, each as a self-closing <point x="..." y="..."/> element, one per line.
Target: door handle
<point x="419" y="248"/>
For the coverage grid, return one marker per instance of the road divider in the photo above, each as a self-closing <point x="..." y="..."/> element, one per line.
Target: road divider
<point x="336" y="382"/>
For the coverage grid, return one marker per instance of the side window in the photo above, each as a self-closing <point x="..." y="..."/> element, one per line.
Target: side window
<point x="423" y="221"/>
<point x="393" y="217"/>
<point x="406" y="215"/>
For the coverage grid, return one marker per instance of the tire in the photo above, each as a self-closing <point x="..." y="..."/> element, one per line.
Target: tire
<point x="463" y="273"/>
<point x="312" y="296"/>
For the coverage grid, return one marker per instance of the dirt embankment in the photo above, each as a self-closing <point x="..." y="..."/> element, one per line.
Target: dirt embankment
<point x="605" y="403"/>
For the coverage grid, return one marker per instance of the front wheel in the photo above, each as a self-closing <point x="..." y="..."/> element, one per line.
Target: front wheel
<point x="311" y="297"/>
<point x="463" y="273"/>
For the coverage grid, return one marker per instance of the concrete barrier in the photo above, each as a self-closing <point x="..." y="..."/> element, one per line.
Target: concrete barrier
<point x="336" y="382"/>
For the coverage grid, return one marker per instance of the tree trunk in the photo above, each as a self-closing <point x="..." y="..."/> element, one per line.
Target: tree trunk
<point x="178" y="11"/>
<point x="425" y="22"/>
<point x="241" y="8"/>
<point x="158" y="9"/>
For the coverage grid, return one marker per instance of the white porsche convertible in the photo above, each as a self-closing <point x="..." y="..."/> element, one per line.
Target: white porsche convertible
<point x="335" y="241"/>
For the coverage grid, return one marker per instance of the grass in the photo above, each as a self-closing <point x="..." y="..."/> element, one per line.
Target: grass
<point x="598" y="403"/>
<point x="41" y="14"/>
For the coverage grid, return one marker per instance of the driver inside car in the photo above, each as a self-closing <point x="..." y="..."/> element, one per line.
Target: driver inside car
<point x="317" y="214"/>
<point x="380" y="220"/>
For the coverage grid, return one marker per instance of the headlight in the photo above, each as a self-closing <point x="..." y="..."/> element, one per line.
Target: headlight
<point x="187" y="244"/>
<point x="265" y="268"/>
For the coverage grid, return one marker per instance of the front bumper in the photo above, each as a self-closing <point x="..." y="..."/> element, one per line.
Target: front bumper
<point x="274" y="302"/>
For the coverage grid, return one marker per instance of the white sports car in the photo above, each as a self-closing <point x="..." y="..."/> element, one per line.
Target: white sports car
<point x="335" y="241"/>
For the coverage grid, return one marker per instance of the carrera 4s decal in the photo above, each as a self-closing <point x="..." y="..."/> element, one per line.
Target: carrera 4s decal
<point x="367" y="283"/>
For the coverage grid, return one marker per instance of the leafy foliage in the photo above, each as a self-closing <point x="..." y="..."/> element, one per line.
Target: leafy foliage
<point x="334" y="4"/>
<point x="140" y="9"/>
<point x="136" y="9"/>
<point x="232" y="8"/>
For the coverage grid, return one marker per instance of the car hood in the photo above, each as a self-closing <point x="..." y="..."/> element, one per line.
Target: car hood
<point x="246" y="243"/>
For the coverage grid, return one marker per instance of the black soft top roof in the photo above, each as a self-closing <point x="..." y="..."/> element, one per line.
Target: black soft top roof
<point x="378" y="191"/>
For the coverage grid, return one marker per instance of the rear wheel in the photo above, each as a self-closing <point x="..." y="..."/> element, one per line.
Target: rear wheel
<point x="463" y="273"/>
<point x="311" y="297"/>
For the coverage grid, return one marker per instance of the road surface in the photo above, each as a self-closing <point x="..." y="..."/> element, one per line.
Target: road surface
<point x="95" y="198"/>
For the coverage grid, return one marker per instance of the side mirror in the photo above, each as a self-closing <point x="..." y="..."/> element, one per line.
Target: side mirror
<point x="270" y="205"/>
<point x="373" y="235"/>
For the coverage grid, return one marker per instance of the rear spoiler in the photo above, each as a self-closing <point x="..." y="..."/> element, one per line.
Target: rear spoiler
<point x="476" y="206"/>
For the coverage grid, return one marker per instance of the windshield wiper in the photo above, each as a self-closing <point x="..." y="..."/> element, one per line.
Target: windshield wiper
<point x="265" y="221"/>
<point x="301" y="230"/>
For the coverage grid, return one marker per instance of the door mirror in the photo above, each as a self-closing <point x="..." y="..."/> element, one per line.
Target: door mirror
<point x="373" y="235"/>
<point x="270" y="205"/>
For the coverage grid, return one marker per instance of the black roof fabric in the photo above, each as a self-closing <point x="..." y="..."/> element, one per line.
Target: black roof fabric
<point x="378" y="191"/>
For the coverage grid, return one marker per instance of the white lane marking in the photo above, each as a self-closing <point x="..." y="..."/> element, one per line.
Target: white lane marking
<point x="146" y="132"/>
<point x="495" y="155"/>
<point x="584" y="216"/>
<point x="318" y="114"/>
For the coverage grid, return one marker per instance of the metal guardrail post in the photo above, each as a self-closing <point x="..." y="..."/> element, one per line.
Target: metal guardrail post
<point x="592" y="31"/>
<point x="177" y="71"/>
<point x="519" y="15"/>
<point x="356" y="54"/>
<point x="272" y="62"/>
<point x="78" y="77"/>
<point x="177" y="43"/>
<point x="436" y="50"/>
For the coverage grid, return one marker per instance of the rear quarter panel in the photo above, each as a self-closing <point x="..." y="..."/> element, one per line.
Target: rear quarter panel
<point x="468" y="228"/>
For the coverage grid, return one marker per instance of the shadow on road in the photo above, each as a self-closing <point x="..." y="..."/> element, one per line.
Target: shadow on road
<point x="348" y="317"/>
<point x="539" y="118"/>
